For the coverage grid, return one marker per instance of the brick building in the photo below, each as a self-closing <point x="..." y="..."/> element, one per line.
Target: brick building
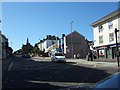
<point x="74" y="45"/>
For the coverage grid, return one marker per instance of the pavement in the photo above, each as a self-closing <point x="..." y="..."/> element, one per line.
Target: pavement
<point x="97" y="62"/>
<point x="5" y="65"/>
<point x="106" y="60"/>
<point x="85" y="62"/>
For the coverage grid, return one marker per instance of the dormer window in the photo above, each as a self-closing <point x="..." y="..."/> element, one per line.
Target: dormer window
<point x="100" y="28"/>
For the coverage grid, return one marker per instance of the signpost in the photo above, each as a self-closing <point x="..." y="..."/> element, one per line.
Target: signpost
<point x="117" y="52"/>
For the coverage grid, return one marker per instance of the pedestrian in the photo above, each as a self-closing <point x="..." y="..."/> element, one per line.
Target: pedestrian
<point x="88" y="56"/>
<point x="78" y="56"/>
<point x="91" y="55"/>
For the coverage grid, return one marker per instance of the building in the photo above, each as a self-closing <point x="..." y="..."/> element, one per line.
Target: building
<point x="5" y="50"/>
<point x="4" y="45"/>
<point x="26" y="49"/>
<point x="0" y="42"/>
<point x="48" y="43"/>
<point x="74" y="45"/>
<point x="104" y="35"/>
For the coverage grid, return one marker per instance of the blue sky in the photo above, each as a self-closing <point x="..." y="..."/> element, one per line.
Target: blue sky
<point x="36" y="20"/>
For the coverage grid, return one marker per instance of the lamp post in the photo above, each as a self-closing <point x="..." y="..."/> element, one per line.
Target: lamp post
<point x="71" y="40"/>
<point x="117" y="52"/>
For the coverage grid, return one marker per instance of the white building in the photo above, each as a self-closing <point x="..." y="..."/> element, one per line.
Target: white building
<point x="104" y="35"/>
<point x="44" y="44"/>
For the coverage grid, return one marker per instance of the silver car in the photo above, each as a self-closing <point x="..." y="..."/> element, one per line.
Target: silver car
<point x="58" y="57"/>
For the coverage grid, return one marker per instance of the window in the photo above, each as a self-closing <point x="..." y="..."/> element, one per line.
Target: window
<point x="110" y="25"/>
<point x="111" y="37"/>
<point x="100" y="39"/>
<point x="59" y="54"/>
<point x="100" y="28"/>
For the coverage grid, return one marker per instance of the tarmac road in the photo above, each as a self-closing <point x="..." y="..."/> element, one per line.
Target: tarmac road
<point x="42" y="73"/>
<point x="0" y="74"/>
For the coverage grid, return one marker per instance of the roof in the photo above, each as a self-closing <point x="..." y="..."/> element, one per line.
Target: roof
<point x="74" y="32"/>
<point x="48" y="37"/>
<point x="115" y="14"/>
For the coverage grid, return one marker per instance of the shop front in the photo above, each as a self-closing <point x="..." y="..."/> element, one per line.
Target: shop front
<point x="107" y="52"/>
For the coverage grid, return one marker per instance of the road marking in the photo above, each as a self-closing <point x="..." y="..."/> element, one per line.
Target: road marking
<point x="10" y="66"/>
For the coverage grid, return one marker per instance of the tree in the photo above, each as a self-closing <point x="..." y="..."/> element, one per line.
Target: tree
<point x="18" y="51"/>
<point x="36" y="50"/>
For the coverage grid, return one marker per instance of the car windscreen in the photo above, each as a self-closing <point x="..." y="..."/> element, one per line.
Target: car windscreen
<point x="59" y="54"/>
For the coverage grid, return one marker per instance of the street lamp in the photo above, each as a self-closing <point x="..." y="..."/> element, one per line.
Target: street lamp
<point x="117" y="52"/>
<point x="71" y="40"/>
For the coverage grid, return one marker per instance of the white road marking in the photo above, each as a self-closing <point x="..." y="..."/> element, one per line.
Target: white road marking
<point x="10" y="66"/>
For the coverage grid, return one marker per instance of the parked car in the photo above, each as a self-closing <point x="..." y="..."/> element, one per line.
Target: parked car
<point x="58" y="57"/>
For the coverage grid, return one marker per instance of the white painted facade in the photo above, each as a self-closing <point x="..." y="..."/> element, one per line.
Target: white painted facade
<point x="105" y="33"/>
<point x="45" y="45"/>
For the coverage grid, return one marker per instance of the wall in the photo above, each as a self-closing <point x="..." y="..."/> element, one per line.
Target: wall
<point x="0" y="46"/>
<point x="105" y="34"/>
<point x="79" y="46"/>
<point x="119" y="30"/>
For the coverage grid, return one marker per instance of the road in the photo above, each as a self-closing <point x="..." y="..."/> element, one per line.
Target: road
<point x="0" y="74"/>
<point x="42" y="73"/>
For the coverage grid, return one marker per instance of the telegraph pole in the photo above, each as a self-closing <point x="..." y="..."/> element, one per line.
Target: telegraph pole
<point x="117" y="51"/>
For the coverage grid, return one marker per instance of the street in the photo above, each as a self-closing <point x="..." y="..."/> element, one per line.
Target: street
<point x="42" y="73"/>
<point x="0" y="74"/>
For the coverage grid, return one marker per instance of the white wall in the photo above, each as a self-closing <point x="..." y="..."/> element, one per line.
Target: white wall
<point x="105" y="34"/>
<point x="119" y="29"/>
<point x="45" y="45"/>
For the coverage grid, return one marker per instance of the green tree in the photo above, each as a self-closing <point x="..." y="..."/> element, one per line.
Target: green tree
<point x="36" y="50"/>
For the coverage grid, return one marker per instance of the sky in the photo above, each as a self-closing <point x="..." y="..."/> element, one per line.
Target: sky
<point x="35" y="20"/>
